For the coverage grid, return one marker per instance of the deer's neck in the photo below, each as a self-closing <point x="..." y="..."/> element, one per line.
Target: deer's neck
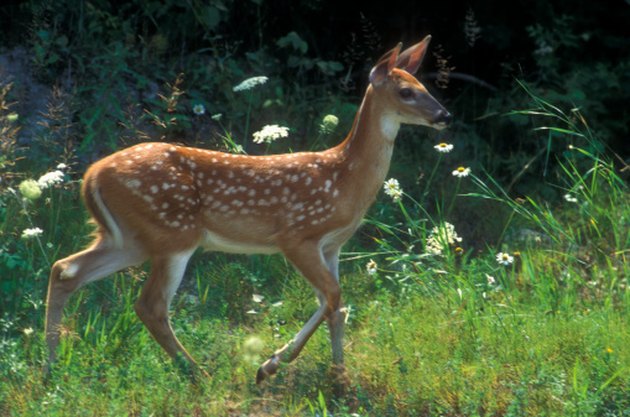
<point x="367" y="150"/>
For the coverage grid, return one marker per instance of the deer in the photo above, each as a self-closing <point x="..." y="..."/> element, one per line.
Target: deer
<point x="161" y="201"/>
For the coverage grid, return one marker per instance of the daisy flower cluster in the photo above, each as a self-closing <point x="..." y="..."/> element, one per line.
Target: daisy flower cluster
<point x="392" y="189"/>
<point x="50" y="178"/>
<point x="441" y="237"/>
<point x="31" y="233"/>
<point x="444" y="236"/>
<point x="250" y="83"/>
<point x="270" y="133"/>
<point x="32" y="190"/>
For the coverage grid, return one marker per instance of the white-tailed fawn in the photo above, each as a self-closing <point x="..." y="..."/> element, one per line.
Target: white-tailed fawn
<point x="160" y="202"/>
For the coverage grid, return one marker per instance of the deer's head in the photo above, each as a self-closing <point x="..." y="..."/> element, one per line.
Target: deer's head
<point x="392" y="78"/>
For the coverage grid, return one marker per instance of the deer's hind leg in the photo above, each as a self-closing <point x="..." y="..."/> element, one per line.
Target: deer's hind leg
<point x="152" y="307"/>
<point x="69" y="274"/>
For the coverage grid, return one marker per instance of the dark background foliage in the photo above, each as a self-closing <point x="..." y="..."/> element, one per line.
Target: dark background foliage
<point x="121" y="72"/>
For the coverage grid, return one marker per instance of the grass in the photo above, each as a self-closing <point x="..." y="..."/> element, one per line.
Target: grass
<point x="450" y="332"/>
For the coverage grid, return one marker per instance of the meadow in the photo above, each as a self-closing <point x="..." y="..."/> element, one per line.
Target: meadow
<point x="535" y="326"/>
<point x="490" y="278"/>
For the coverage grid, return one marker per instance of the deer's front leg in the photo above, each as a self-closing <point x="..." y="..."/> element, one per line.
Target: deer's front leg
<point x="309" y="260"/>
<point x="336" y="324"/>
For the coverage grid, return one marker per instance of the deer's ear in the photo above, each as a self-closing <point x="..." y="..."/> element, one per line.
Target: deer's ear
<point x="384" y="66"/>
<point x="412" y="57"/>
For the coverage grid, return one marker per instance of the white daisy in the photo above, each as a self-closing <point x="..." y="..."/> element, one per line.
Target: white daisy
<point x="443" y="147"/>
<point x="461" y="172"/>
<point x="505" y="258"/>
<point x="199" y="109"/>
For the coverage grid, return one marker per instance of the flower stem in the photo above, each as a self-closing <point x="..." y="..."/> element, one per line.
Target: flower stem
<point x="428" y="184"/>
<point x="452" y="203"/>
<point x="247" y="117"/>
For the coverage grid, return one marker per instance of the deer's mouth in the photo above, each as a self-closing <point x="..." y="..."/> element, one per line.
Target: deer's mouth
<point x="442" y="119"/>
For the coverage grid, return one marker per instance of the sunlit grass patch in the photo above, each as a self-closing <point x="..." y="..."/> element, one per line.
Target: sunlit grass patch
<point x="428" y="357"/>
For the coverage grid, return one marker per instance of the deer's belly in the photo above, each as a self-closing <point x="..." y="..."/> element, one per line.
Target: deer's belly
<point x="215" y="242"/>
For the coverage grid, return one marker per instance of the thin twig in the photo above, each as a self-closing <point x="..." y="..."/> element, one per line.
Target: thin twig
<point x="463" y="77"/>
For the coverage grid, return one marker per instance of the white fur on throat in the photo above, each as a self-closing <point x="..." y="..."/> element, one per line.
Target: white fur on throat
<point x="390" y="125"/>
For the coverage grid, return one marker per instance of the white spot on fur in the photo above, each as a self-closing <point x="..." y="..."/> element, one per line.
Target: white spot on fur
<point x="134" y="183"/>
<point x="70" y="272"/>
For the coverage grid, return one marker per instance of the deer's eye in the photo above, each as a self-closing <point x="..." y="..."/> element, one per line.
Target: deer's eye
<point x="406" y="93"/>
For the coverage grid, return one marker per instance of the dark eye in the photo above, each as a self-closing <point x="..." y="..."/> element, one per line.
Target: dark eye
<point x="406" y="93"/>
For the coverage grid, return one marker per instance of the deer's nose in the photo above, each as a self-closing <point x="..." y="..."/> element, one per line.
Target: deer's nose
<point x="442" y="117"/>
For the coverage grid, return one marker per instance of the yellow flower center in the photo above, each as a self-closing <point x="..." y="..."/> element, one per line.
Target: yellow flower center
<point x="461" y="169"/>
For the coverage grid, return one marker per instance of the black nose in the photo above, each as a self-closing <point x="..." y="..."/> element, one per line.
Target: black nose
<point x="443" y="117"/>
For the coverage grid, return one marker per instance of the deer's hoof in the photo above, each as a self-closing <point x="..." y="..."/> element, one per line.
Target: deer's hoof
<point x="268" y="368"/>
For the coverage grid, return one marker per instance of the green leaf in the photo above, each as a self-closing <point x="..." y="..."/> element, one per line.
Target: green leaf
<point x="560" y="130"/>
<point x="329" y="67"/>
<point x="293" y="40"/>
<point x="62" y="41"/>
<point x="212" y="17"/>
